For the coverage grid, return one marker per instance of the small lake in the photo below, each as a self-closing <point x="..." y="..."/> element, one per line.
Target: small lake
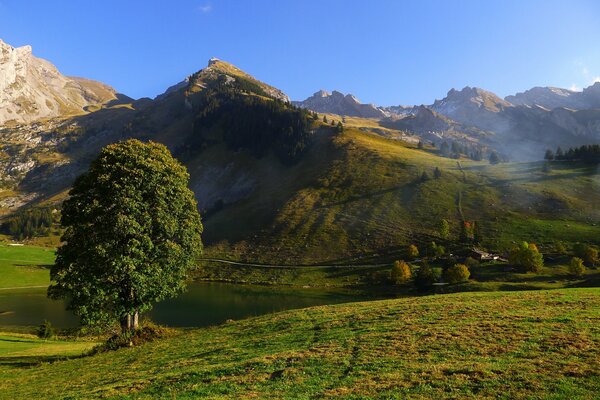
<point x="203" y="304"/>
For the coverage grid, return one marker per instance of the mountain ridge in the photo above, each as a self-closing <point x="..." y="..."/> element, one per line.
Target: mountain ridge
<point x="32" y="88"/>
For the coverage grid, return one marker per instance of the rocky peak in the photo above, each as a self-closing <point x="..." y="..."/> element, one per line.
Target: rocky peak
<point x="341" y="104"/>
<point x="321" y="93"/>
<point x="32" y="88"/>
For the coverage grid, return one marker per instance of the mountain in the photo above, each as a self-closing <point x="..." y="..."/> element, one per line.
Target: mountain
<point x="552" y="97"/>
<point x="338" y="103"/>
<point x="32" y="88"/>
<point x="472" y="106"/>
<point x="275" y="185"/>
<point x="547" y="97"/>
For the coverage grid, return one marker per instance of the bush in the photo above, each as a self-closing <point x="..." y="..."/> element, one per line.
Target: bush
<point x="527" y="257"/>
<point x="425" y="277"/>
<point x="576" y="267"/>
<point x="147" y="333"/>
<point x="46" y="330"/>
<point x="470" y="262"/>
<point x="400" y="272"/>
<point x="590" y="256"/>
<point x="413" y="252"/>
<point x="457" y="273"/>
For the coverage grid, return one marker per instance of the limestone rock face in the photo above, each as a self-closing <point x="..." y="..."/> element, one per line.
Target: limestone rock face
<point x="338" y="103"/>
<point x="32" y="88"/>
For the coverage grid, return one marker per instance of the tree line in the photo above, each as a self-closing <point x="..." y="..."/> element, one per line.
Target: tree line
<point x="29" y="223"/>
<point x="589" y="153"/>
<point x="254" y="123"/>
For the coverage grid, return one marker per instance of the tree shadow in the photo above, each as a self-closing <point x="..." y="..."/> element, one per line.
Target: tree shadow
<point x="32" y="361"/>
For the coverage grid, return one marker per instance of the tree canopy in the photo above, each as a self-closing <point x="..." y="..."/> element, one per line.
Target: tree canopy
<point x="132" y="233"/>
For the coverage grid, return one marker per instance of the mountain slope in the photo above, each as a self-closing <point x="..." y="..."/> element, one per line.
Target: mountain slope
<point x="552" y="97"/>
<point x="275" y="185"/>
<point x="32" y="88"/>
<point x="542" y="344"/>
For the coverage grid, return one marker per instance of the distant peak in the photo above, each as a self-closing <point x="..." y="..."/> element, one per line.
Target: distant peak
<point x="321" y="93"/>
<point x="213" y="60"/>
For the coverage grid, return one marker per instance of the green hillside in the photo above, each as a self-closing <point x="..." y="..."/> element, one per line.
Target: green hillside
<point x="358" y="195"/>
<point x="278" y="184"/>
<point x="543" y="344"/>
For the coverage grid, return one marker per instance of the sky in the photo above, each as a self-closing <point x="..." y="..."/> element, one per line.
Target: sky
<point x="384" y="52"/>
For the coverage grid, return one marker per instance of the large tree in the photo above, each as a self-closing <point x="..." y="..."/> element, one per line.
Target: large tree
<point x="132" y="233"/>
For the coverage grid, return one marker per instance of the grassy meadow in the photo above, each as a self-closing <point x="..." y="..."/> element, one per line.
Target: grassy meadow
<point x="541" y="344"/>
<point x="22" y="266"/>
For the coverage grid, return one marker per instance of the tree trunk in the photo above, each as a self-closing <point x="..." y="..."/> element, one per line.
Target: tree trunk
<point x="135" y="318"/>
<point x="126" y="323"/>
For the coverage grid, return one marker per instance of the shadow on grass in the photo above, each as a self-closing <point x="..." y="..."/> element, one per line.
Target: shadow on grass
<point x="32" y="361"/>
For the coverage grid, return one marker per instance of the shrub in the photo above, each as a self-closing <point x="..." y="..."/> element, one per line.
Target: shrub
<point x="444" y="229"/>
<point x="147" y="333"/>
<point x="470" y="262"/>
<point x="413" y="252"/>
<point x="590" y="256"/>
<point x="527" y="257"/>
<point x="457" y="273"/>
<point x="46" y="330"/>
<point x="425" y="277"/>
<point x="576" y="267"/>
<point x="400" y="272"/>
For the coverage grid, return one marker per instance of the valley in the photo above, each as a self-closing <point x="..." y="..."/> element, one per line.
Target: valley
<point x="323" y="248"/>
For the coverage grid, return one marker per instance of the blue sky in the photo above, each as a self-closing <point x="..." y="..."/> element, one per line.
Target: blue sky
<point x="385" y="52"/>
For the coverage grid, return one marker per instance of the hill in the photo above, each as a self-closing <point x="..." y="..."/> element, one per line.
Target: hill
<point x="543" y="344"/>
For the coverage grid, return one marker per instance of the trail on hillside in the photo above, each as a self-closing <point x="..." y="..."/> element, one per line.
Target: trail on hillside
<point x="243" y="264"/>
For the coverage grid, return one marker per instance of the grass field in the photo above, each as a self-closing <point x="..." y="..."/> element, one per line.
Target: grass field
<point x="18" y="350"/>
<point x="22" y="266"/>
<point x="543" y="344"/>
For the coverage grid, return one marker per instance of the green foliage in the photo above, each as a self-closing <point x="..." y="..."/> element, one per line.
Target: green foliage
<point x="253" y="123"/>
<point x="425" y="176"/>
<point x="46" y="330"/>
<point x="494" y="158"/>
<point x="444" y="229"/>
<point x="425" y="277"/>
<point x="29" y="223"/>
<point x="576" y="267"/>
<point x="527" y="256"/>
<point x="586" y="153"/>
<point x="457" y="273"/>
<point x="400" y="272"/>
<point x="412" y="251"/>
<point x="132" y="234"/>
<point x="560" y="248"/>
<point x="470" y="262"/>
<point x="587" y="253"/>
<point x="591" y="256"/>
<point x="436" y="250"/>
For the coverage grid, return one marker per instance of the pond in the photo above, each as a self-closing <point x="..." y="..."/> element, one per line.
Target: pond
<point x="203" y="304"/>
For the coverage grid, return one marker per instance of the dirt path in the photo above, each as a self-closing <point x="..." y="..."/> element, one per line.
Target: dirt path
<point x="218" y="260"/>
<point x="23" y="287"/>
